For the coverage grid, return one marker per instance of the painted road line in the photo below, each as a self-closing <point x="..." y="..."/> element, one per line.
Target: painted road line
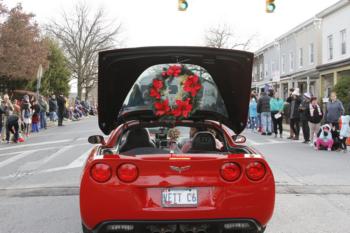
<point x="252" y="142"/>
<point x="62" y="133"/>
<point x="35" y="144"/>
<point x="34" y="165"/>
<point x="79" y="162"/>
<point x="274" y="141"/>
<point x="18" y="152"/>
<point x="39" y="149"/>
<point x="15" y="158"/>
<point x="81" y="139"/>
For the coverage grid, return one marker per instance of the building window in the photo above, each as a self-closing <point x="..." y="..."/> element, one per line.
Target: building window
<point x="301" y="57"/>
<point x="255" y="72"/>
<point x="266" y="69"/>
<point x="261" y="72"/>
<point x="283" y="63"/>
<point x="343" y="41"/>
<point x="311" y="53"/>
<point x="291" y="60"/>
<point x="330" y="47"/>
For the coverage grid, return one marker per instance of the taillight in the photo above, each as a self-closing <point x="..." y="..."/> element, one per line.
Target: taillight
<point x="230" y="171"/>
<point x="255" y="171"/>
<point x="128" y="172"/>
<point x="101" y="172"/>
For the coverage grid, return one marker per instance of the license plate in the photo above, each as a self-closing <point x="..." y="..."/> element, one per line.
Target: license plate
<point x="179" y="197"/>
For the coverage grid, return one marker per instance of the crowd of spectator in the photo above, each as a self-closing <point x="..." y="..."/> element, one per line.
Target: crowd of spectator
<point x="324" y="125"/>
<point x="30" y="114"/>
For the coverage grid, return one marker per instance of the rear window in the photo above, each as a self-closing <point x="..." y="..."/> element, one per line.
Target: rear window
<point x="175" y="140"/>
<point x="203" y="94"/>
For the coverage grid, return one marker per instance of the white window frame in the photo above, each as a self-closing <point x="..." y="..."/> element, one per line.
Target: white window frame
<point x="311" y="53"/>
<point x="283" y="63"/>
<point x="343" y="42"/>
<point x="291" y="61"/>
<point x="330" y="47"/>
<point x="301" y="57"/>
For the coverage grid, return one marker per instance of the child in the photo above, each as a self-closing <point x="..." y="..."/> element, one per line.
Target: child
<point x="344" y="131"/>
<point x="35" y="122"/>
<point x="336" y="138"/>
<point x="324" y="138"/>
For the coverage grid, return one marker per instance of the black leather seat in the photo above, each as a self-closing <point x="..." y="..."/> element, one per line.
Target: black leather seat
<point x="136" y="138"/>
<point x="202" y="142"/>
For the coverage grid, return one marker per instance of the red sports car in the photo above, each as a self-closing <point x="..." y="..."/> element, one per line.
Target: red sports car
<point x="174" y="160"/>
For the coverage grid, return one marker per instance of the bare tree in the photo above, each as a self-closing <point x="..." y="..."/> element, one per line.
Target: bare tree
<point x="82" y="34"/>
<point x="222" y="36"/>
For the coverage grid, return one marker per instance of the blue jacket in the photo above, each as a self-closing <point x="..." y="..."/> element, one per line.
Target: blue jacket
<point x="276" y="105"/>
<point x="253" y="108"/>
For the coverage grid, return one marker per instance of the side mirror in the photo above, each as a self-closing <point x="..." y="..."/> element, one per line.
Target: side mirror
<point x="96" y="139"/>
<point x="239" y="138"/>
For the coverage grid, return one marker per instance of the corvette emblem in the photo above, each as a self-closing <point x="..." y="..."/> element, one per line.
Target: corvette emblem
<point x="180" y="169"/>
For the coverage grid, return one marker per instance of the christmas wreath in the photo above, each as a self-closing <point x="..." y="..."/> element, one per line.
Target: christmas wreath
<point x="189" y="87"/>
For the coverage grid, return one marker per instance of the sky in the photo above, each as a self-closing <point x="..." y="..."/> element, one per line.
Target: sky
<point x="158" y="22"/>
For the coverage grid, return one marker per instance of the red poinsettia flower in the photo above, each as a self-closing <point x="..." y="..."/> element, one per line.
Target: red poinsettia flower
<point x="174" y="71"/>
<point x="162" y="107"/>
<point x="164" y="74"/>
<point x="157" y="84"/>
<point x="154" y="93"/>
<point x="183" y="108"/>
<point x="192" y="85"/>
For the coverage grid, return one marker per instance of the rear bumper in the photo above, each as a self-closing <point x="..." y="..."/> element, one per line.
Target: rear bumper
<point x="181" y="226"/>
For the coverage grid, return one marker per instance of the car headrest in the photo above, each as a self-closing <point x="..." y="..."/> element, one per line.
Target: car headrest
<point x="136" y="138"/>
<point x="203" y="141"/>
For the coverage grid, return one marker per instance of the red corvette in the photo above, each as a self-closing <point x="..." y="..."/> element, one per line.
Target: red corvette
<point x="174" y="160"/>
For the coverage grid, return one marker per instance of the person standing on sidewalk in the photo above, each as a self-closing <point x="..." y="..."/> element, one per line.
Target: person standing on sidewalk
<point x="7" y="108"/>
<point x="303" y="117"/>
<point x="344" y="131"/>
<point x="1" y="115"/>
<point x="36" y="116"/>
<point x="334" y="110"/>
<point x="53" y="108"/>
<point x="276" y="105"/>
<point x="43" y="109"/>
<point x="264" y="108"/>
<point x="26" y="114"/>
<point x="314" y="115"/>
<point x="253" y="114"/>
<point x="61" y="103"/>
<point x="294" y="102"/>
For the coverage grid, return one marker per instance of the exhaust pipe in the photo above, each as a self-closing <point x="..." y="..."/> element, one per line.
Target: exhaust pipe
<point x="194" y="229"/>
<point x="163" y="229"/>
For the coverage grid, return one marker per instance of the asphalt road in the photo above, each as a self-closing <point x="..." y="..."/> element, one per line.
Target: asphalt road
<point x="39" y="183"/>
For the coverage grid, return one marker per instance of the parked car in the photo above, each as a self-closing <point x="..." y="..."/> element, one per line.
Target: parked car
<point x="174" y="160"/>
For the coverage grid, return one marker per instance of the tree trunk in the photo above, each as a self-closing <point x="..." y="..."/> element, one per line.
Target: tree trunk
<point x="87" y="91"/>
<point x="79" y="88"/>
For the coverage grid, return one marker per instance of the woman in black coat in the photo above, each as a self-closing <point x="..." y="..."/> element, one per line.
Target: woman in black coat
<point x="61" y="103"/>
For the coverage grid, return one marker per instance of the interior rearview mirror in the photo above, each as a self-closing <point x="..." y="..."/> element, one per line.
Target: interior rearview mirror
<point x="96" y="139"/>
<point x="239" y="138"/>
